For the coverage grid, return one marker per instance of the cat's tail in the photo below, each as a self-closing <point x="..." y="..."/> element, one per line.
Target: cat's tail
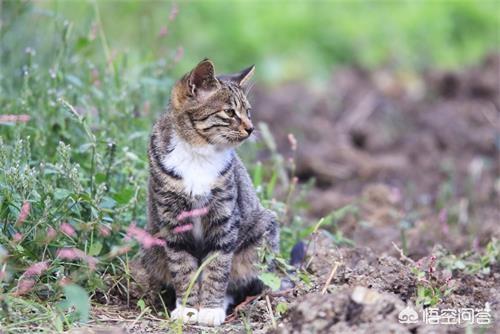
<point x="298" y="254"/>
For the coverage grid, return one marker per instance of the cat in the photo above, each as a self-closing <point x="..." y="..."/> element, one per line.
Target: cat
<point x="201" y="199"/>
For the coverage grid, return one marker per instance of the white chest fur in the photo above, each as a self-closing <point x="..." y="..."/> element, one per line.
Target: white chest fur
<point x="199" y="167"/>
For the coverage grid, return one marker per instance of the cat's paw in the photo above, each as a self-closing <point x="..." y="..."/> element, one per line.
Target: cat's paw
<point x="211" y="316"/>
<point x="187" y="314"/>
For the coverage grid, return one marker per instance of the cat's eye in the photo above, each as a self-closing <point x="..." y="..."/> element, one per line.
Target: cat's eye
<point x="230" y="112"/>
<point x="248" y="112"/>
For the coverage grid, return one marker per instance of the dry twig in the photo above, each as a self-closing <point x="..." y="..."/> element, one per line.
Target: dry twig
<point x="402" y="256"/>
<point x="330" y="277"/>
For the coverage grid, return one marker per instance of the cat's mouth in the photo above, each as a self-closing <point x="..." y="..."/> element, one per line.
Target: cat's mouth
<point x="236" y="139"/>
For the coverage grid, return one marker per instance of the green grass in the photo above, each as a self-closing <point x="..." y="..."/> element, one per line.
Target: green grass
<point x="73" y="177"/>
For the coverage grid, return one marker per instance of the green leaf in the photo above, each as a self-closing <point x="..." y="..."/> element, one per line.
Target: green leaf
<point x="60" y="193"/>
<point x="271" y="280"/>
<point x="305" y="278"/>
<point x="124" y="196"/>
<point x="107" y="203"/>
<point x="141" y="304"/>
<point x="74" y="80"/>
<point x="58" y="324"/>
<point x="81" y="43"/>
<point x="100" y="177"/>
<point x="281" y="308"/>
<point x="95" y="248"/>
<point x="257" y="174"/>
<point x="78" y="298"/>
<point x="271" y="185"/>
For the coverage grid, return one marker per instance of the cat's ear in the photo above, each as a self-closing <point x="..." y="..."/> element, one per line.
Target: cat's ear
<point x="195" y="85"/>
<point x="242" y="78"/>
<point x="202" y="78"/>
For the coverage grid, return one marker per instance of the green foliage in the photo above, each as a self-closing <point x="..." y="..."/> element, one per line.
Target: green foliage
<point x="433" y="283"/>
<point x="271" y="280"/>
<point x="281" y="308"/>
<point x="471" y="262"/>
<point x="77" y="298"/>
<point x="295" y="40"/>
<point x="73" y="177"/>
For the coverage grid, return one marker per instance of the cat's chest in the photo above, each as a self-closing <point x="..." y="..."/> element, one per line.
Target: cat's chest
<point x="198" y="168"/>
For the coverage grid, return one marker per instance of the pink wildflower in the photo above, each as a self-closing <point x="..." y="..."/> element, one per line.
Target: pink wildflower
<point x="104" y="231"/>
<point x="14" y="118"/>
<point x="69" y="253"/>
<point x="36" y="269"/>
<point x="116" y="251"/>
<point x="68" y="229"/>
<point x="91" y="262"/>
<point x="146" y="107"/>
<point x="23" y="214"/>
<point x="65" y="281"/>
<point x="17" y="237"/>
<point x="395" y="195"/>
<point x="173" y="12"/>
<point x="443" y="220"/>
<point x="24" y="286"/>
<point x="193" y="213"/>
<point x="95" y="77"/>
<point x="179" y="54"/>
<point x="93" y="31"/>
<point x="144" y="238"/>
<point x="77" y="254"/>
<point x="163" y="31"/>
<point x="51" y="234"/>
<point x="432" y="264"/>
<point x="183" y="228"/>
<point x="420" y="263"/>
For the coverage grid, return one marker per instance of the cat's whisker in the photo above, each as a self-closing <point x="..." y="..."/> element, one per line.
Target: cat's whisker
<point x="249" y="89"/>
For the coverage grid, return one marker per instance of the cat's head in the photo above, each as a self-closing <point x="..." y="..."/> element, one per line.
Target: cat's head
<point x="210" y="109"/>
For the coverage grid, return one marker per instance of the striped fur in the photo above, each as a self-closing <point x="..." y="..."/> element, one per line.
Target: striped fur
<point x="193" y="165"/>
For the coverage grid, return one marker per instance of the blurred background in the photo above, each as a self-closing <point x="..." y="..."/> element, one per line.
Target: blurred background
<point x="287" y="40"/>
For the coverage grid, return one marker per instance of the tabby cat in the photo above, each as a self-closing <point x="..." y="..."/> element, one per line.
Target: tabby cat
<point x="201" y="198"/>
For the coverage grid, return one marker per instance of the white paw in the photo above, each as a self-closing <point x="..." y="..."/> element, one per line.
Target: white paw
<point x="211" y="316"/>
<point x="187" y="314"/>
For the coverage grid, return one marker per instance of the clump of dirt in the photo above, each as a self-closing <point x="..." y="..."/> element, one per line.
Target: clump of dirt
<point x="366" y="293"/>
<point x="339" y="313"/>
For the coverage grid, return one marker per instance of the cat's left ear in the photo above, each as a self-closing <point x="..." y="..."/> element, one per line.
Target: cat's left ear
<point x="242" y="78"/>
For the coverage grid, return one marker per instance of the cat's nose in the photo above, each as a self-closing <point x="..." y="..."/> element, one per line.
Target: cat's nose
<point x="249" y="130"/>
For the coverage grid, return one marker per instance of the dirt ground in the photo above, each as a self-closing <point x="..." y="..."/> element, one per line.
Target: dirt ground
<point x="418" y="156"/>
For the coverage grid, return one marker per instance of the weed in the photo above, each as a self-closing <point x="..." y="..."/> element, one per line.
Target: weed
<point x="432" y="284"/>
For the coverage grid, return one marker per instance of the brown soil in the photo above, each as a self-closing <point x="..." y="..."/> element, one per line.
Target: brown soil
<point x="402" y="147"/>
<point x="417" y="155"/>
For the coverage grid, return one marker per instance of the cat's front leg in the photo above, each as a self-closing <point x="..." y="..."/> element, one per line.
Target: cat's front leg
<point x="182" y="267"/>
<point x="215" y="279"/>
